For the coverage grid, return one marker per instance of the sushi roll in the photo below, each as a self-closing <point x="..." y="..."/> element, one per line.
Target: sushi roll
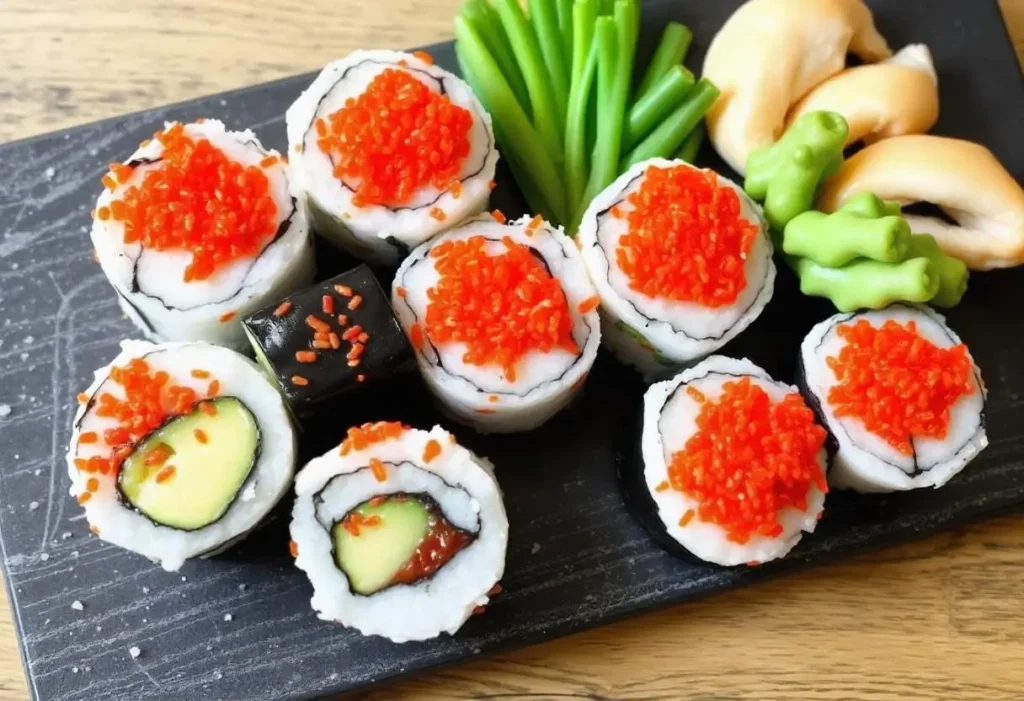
<point x="401" y="532"/>
<point x="336" y="340"/>
<point x="733" y="464"/>
<point x="389" y="150"/>
<point x="682" y="261"/>
<point x="502" y="318"/>
<point x="179" y="450"/>
<point x="900" y="394"/>
<point x="198" y="228"/>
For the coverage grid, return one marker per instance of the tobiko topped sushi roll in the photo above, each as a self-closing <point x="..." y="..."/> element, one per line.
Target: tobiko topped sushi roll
<point x="503" y="320"/>
<point x="901" y="395"/>
<point x="389" y="150"/>
<point x="682" y="261"/>
<point x="733" y="463"/>
<point x="401" y="532"/>
<point x="179" y="449"/>
<point x="197" y="229"/>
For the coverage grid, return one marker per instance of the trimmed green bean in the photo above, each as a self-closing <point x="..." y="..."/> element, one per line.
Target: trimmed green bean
<point x="691" y="145"/>
<point x="544" y="19"/>
<point x="666" y="139"/>
<point x="654" y="106"/>
<point x="576" y="146"/>
<point x="564" y="8"/>
<point x="538" y="172"/>
<point x="524" y="45"/>
<point x="488" y="25"/>
<point x="672" y="47"/>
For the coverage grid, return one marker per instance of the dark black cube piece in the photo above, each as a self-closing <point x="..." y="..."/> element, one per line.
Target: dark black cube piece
<point x="281" y="334"/>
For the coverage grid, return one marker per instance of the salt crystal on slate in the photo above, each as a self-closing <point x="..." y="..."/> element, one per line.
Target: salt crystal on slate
<point x="134" y="652"/>
<point x="74" y="670"/>
<point x="44" y="557"/>
<point x="145" y="590"/>
<point x="29" y="340"/>
<point x="241" y="587"/>
<point x="24" y="356"/>
<point x="99" y="628"/>
<point x="65" y="535"/>
<point x="218" y="676"/>
<point x="77" y="605"/>
<point x="228" y="617"/>
<point x="37" y="472"/>
<point x="5" y="409"/>
<point x="535" y="549"/>
<point x="74" y="553"/>
<point x="33" y="505"/>
<point x="50" y="172"/>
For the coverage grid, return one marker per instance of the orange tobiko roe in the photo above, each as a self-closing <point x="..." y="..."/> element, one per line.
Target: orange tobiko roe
<point x="501" y="306"/>
<point x="749" y="459"/>
<point x="897" y="383"/>
<point x="149" y="400"/>
<point x="197" y="200"/>
<point x="360" y="437"/>
<point x="687" y="239"/>
<point x="395" y="138"/>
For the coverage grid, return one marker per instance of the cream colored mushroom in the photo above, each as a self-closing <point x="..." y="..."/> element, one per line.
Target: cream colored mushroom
<point x="897" y="96"/>
<point x="963" y="178"/>
<point x="769" y="54"/>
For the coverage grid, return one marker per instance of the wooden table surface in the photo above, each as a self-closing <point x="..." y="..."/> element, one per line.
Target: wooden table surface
<point x="942" y="618"/>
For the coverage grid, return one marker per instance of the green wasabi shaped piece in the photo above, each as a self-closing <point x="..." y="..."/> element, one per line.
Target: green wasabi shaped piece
<point x="868" y="284"/>
<point x="785" y="175"/>
<point x="952" y="272"/>
<point x="864" y="227"/>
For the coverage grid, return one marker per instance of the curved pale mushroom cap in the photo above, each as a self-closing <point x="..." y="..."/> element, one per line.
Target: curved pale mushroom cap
<point x="897" y="96"/>
<point x="769" y="54"/>
<point x="963" y="178"/>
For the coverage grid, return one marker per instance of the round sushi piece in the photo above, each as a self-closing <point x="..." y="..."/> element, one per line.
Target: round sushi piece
<point x="682" y="261"/>
<point x="733" y="462"/>
<point x="179" y="449"/>
<point x="389" y="150"/>
<point x="900" y="394"/>
<point x="197" y="229"/>
<point x="502" y="318"/>
<point x="402" y="532"/>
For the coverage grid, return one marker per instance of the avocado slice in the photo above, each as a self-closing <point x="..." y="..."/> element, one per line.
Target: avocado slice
<point x="394" y="539"/>
<point x="212" y="453"/>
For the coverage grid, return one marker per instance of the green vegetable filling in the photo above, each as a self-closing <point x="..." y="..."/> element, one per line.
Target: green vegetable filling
<point x="394" y="539"/>
<point x="187" y="473"/>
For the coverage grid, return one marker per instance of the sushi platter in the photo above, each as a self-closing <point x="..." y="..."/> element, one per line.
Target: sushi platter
<point x="601" y="307"/>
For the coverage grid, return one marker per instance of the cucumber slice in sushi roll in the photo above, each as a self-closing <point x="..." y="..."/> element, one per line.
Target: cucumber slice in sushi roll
<point x="389" y="150"/>
<point x="682" y="260"/>
<point x="179" y="449"/>
<point x="197" y="229"/>
<point x="733" y="462"/>
<point x="502" y="318"/>
<point x="900" y="394"/>
<point x="401" y="532"/>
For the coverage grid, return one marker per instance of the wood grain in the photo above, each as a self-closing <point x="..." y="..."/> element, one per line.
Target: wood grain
<point x="938" y="619"/>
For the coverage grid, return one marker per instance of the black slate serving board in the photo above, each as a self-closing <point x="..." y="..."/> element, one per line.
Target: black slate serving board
<point x="576" y="559"/>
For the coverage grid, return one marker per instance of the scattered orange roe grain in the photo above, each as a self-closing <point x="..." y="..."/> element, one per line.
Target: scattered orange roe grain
<point x="268" y="161"/>
<point x="396" y="138"/>
<point x="437" y="213"/>
<point x="200" y="374"/>
<point x="687" y="239"/>
<point x="92" y="484"/>
<point x="360" y="378"/>
<point x="501" y="306"/>
<point x="214" y="389"/>
<point x="159" y="455"/>
<point x="493" y="399"/>
<point x="662" y="486"/>
<point x="424" y="56"/>
<point x="401" y="291"/>
<point x="201" y="201"/>
<point x="166" y="474"/>
<point x="750" y="459"/>
<point x="227" y="316"/>
<point x="533" y="224"/>
<point x="88" y="437"/>
<point x="355" y="303"/>
<point x="456" y="189"/>
<point x="588" y="305"/>
<point x="360" y="437"/>
<point x="83" y="398"/>
<point x="149" y="400"/>
<point x="299" y="381"/>
<point x="380" y="473"/>
<point x="327" y="304"/>
<point x="200" y="435"/>
<point x="498" y="216"/>
<point x="343" y="290"/>
<point x="416" y="335"/>
<point x="283" y="308"/>
<point x="305" y="356"/>
<point x="897" y="383"/>
<point x="293" y="548"/>
<point x="208" y="408"/>
<point x="83" y="497"/>
<point x="431" y="451"/>
<point x="686" y="518"/>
